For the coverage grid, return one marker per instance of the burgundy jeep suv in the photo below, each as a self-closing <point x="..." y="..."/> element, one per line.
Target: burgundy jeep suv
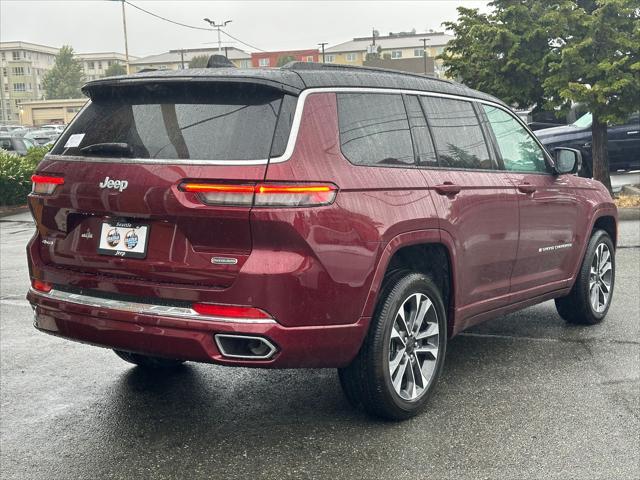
<point x="308" y="216"/>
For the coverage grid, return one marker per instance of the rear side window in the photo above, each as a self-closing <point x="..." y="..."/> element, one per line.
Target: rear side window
<point x="425" y="152"/>
<point x="180" y="121"/>
<point x="374" y="129"/>
<point x="456" y="133"/>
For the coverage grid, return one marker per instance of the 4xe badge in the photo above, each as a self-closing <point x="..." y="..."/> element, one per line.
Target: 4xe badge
<point x="114" y="184"/>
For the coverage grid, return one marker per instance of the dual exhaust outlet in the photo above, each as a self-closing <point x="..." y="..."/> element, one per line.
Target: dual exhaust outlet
<point x="244" y="347"/>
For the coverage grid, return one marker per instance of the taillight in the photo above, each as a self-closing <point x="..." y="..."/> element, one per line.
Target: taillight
<point x="229" y="311"/>
<point x="263" y="194"/>
<point x="44" y="184"/>
<point x="41" y="286"/>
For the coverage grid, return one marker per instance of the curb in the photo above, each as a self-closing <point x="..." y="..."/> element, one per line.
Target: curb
<point x="631" y="213"/>
<point x="6" y="211"/>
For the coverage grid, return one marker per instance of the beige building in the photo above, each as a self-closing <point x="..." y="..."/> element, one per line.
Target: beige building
<point x="22" y="69"/>
<point x="43" y="112"/>
<point x="179" y="58"/>
<point x="399" y="46"/>
<point x="94" y="65"/>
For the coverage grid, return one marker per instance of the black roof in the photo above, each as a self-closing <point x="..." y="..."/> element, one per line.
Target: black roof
<point x="296" y="77"/>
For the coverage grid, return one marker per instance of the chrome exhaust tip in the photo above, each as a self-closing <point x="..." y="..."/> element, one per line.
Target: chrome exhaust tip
<point x="244" y="347"/>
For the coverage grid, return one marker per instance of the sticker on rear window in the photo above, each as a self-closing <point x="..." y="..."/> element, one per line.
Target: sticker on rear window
<point x="74" y="140"/>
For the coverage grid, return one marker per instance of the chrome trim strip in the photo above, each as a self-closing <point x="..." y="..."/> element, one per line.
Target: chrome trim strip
<point x="293" y="135"/>
<point x="185" y="313"/>
<point x="271" y="346"/>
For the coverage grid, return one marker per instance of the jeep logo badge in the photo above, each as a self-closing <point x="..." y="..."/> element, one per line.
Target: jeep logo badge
<point x="115" y="184"/>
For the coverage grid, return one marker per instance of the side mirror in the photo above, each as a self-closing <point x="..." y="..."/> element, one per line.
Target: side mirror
<point x="567" y="160"/>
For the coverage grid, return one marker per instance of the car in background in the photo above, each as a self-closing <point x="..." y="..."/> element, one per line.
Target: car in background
<point x="54" y="126"/>
<point x="623" y="142"/>
<point x="42" y="137"/>
<point x="15" y="144"/>
<point x="9" y="128"/>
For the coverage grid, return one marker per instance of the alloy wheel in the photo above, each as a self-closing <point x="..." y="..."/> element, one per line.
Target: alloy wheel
<point x="413" y="346"/>
<point x="600" y="277"/>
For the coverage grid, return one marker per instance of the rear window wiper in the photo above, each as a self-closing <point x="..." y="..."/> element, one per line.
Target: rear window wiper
<point x="105" y="148"/>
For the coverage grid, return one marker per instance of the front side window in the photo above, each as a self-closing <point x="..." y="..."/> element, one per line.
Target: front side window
<point x="457" y="133"/>
<point x="519" y="151"/>
<point x="374" y="129"/>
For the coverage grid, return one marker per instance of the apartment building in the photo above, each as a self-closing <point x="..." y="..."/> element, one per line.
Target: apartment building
<point x="180" y="58"/>
<point x="22" y="69"/>
<point x="95" y="65"/>
<point x="395" y="46"/>
<point x="271" y="59"/>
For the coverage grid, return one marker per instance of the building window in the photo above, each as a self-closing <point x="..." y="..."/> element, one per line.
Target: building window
<point x="18" y="87"/>
<point x="329" y="58"/>
<point x="351" y="57"/>
<point x="244" y="64"/>
<point x="418" y="52"/>
<point x="90" y="65"/>
<point x="309" y="59"/>
<point x="17" y="71"/>
<point x="15" y="55"/>
<point x="396" y="53"/>
<point x="3" y="56"/>
<point x="263" y="62"/>
<point x="99" y="65"/>
<point x="109" y="63"/>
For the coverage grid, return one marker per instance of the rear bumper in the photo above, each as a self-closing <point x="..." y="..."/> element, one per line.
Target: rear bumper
<point x="129" y="328"/>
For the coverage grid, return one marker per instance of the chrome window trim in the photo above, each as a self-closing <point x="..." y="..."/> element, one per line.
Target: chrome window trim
<point x="295" y="127"/>
<point x="186" y="313"/>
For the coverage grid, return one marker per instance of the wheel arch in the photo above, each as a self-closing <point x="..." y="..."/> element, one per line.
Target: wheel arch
<point x="413" y="251"/>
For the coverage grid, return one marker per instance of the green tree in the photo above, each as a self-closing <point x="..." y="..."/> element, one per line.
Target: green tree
<point x="554" y="53"/>
<point x="596" y="62"/>
<point x="199" y="61"/>
<point x="282" y="61"/>
<point x="65" y="78"/>
<point x="115" y="69"/>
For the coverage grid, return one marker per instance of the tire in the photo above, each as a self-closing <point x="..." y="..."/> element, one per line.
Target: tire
<point x="579" y="307"/>
<point x="368" y="380"/>
<point x="146" y="361"/>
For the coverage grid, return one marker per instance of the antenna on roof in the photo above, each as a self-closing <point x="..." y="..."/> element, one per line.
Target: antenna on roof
<point x="219" y="61"/>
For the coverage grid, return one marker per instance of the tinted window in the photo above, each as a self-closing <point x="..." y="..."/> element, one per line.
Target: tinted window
<point x="425" y="153"/>
<point x="519" y="151"/>
<point x="456" y="133"/>
<point x="374" y="129"/>
<point x="203" y="122"/>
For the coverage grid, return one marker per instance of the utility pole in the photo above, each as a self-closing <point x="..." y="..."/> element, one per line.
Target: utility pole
<point x="218" y="26"/>
<point x="182" y="57"/>
<point x="322" y="45"/>
<point x="126" y="43"/>
<point x="424" y="52"/>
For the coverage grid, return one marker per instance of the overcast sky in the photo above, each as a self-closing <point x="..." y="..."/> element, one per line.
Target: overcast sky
<point x="97" y="25"/>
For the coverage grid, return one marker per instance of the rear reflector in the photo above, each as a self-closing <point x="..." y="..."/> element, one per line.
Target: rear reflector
<point x="264" y="194"/>
<point x="44" y="184"/>
<point x="229" y="311"/>
<point x="41" y="286"/>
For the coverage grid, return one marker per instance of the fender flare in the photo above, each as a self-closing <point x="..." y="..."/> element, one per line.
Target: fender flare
<point x="407" y="239"/>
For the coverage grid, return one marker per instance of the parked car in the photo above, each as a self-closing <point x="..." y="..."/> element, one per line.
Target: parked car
<point x="53" y="126"/>
<point x="308" y="216"/>
<point x="14" y="144"/>
<point x="4" y="129"/>
<point x="623" y="142"/>
<point x="42" y="137"/>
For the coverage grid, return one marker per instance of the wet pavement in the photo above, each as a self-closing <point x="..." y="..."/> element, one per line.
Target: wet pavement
<point x="523" y="396"/>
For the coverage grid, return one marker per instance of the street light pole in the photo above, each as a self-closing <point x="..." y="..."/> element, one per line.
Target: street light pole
<point x="322" y="45"/>
<point x="424" y="53"/>
<point x="218" y="26"/>
<point x="126" y="43"/>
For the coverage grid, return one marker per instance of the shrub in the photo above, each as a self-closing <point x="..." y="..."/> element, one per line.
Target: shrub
<point x="15" y="175"/>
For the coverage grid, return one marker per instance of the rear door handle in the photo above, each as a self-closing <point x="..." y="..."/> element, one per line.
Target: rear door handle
<point x="526" y="188"/>
<point x="448" y="188"/>
<point x="633" y="132"/>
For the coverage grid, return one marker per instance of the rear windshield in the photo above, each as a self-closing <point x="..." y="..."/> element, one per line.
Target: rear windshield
<point x="184" y="121"/>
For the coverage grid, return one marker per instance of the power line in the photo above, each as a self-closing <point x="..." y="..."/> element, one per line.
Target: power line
<point x="244" y="43"/>
<point x="191" y="26"/>
<point x="167" y="19"/>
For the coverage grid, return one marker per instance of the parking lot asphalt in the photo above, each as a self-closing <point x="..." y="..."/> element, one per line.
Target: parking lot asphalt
<point x="524" y="396"/>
